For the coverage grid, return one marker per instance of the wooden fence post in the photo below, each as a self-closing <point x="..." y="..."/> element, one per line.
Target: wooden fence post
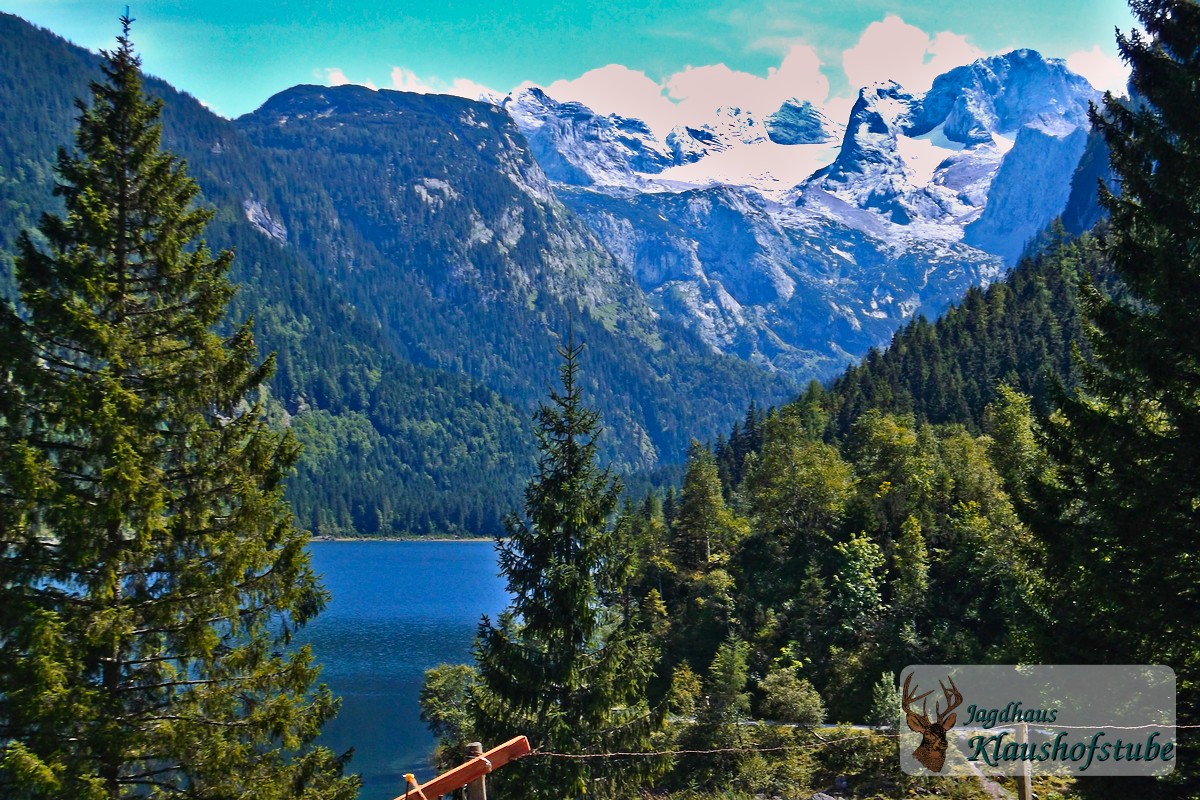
<point x="476" y="789"/>
<point x="467" y="772"/>
<point x="1025" y="779"/>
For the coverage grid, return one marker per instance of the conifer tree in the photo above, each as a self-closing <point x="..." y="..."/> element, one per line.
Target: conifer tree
<point x="704" y="530"/>
<point x="703" y="537"/>
<point x="564" y="663"/>
<point x="1129" y="440"/>
<point x="150" y="572"/>
<point x="718" y="721"/>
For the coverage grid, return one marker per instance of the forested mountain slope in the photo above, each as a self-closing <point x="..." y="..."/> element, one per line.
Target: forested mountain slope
<point x="894" y="516"/>
<point x="409" y="354"/>
<point x="1020" y="331"/>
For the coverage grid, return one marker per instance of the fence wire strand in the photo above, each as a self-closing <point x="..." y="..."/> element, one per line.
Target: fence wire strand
<point x="715" y="750"/>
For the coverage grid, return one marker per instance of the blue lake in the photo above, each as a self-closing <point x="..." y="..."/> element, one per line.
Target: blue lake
<point x="398" y="608"/>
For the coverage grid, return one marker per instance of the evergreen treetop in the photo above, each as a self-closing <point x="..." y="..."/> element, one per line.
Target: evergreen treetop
<point x="564" y="663"/>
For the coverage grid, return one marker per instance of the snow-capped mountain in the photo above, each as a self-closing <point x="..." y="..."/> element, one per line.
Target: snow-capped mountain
<point x="1003" y="93"/>
<point x="987" y="154"/>
<point x="798" y="242"/>
<point x="738" y="130"/>
<point x="578" y="147"/>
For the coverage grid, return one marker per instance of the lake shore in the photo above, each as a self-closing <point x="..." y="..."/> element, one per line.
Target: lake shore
<point x="401" y="539"/>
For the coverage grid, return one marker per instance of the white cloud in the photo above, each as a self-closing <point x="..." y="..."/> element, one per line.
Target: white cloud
<point x="704" y="88"/>
<point x="616" y="89"/>
<point x="406" y="80"/>
<point x="1105" y="72"/>
<point x="950" y="50"/>
<point x="691" y="95"/>
<point x="893" y="49"/>
<point x="335" y="77"/>
<point x="838" y="108"/>
<point x="890" y="48"/>
<point x="465" y="87"/>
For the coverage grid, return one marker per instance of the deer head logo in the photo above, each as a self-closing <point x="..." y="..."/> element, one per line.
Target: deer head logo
<point x="932" y="752"/>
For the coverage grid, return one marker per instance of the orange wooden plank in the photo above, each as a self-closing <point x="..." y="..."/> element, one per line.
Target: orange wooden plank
<point x="475" y="768"/>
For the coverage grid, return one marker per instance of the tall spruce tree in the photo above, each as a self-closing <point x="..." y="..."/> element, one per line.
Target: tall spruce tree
<point x="564" y="664"/>
<point x="1130" y="440"/>
<point x="704" y="527"/>
<point x="150" y="572"/>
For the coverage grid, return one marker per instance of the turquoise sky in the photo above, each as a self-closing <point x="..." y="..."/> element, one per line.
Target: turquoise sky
<point x="235" y="54"/>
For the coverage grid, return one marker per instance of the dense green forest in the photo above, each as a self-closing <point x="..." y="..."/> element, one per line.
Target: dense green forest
<point x="1015" y="483"/>
<point x="383" y="437"/>
<point x="883" y="520"/>
<point x="908" y="512"/>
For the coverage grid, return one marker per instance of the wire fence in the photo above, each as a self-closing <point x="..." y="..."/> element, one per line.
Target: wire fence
<point x="715" y="750"/>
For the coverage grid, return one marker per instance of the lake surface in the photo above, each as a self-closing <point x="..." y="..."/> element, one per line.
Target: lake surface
<point x="398" y="608"/>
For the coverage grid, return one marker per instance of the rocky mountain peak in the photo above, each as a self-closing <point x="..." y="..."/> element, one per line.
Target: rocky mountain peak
<point x="800" y="122"/>
<point x="1001" y="94"/>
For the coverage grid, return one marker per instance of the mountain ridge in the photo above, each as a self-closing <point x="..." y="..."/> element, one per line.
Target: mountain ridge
<point x="415" y="259"/>
<point x="911" y="181"/>
<point x="412" y="396"/>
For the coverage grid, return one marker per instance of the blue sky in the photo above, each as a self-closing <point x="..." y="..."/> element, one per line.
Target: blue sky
<point x="660" y="60"/>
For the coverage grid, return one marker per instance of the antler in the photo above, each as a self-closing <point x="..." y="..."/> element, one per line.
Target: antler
<point x="910" y="697"/>
<point x="954" y="698"/>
